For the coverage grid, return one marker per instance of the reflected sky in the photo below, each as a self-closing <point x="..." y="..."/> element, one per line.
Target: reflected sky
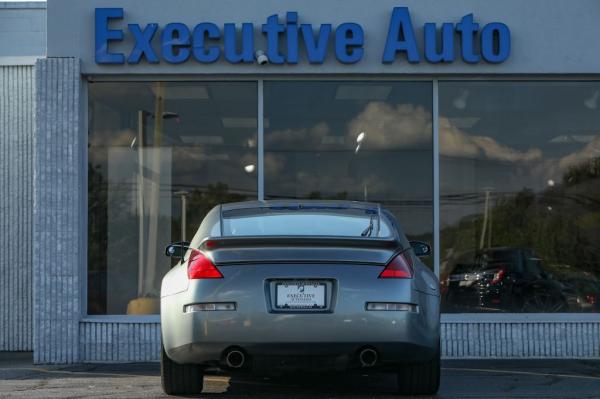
<point x="312" y="148"/>
<point x="508" y="136"/>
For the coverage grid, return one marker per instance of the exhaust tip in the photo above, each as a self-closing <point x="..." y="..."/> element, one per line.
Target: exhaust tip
<point x="235" y="359"/>
<point x="368" y="357"/>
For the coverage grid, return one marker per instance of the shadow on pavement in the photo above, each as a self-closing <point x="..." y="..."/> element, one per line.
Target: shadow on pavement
<point x="310" y="385"/>
<point x="500" y="379"/>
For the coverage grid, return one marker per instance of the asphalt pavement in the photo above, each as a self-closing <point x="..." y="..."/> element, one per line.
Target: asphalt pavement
<point x="460" y="379"/>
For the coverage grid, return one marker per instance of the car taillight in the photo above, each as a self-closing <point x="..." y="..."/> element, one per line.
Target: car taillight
<point x="498" y="276"/>
<point x="399" y="267"/>
<point x="200" y="267"/>
<point x="591" y="299"/>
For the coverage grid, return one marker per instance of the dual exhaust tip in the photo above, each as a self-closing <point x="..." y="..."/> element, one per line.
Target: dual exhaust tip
<point x="235" y="358"/>
<point x="368" y="357"/>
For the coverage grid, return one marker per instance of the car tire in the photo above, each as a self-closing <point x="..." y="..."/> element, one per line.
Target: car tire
<point x="546" y="302"/>
<point x="180" y="379"/>
<point x="420" y="378"/>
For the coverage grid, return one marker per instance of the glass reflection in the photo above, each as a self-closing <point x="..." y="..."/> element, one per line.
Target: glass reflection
<point x="160" y="156"/>
<point x="520" y="189"/>
<point x="365" y="141"/>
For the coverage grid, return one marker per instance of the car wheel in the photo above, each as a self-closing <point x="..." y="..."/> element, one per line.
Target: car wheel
<point x="544" y="303"/>
<point x="180" y="379"/>
<point x="420" y="378"/>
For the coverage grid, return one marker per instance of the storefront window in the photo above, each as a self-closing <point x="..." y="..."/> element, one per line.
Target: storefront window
<point x="520" y="196"/>
<point x="364" y="141"/>
<point x="160" y="156"/>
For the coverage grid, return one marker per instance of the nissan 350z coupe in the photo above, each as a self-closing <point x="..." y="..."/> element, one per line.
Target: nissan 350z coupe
<point x="280" y="286"/>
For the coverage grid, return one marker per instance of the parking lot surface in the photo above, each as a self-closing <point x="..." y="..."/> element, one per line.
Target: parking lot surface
<point x="460" y="379"/>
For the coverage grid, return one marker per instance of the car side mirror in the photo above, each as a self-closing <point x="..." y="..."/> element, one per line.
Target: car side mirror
<point x="420" y="248"/>
<point x="177" y="250"/>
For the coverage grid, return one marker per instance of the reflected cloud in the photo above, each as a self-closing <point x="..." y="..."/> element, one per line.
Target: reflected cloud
<point x="555" y="168"/>
<point x="113" y="137"/>
<point x="591" y="150"/>
<point x="297" y="138"/>
<point x="409" y="126"/>
<point x="392" y="126"/>
<point x="456" y="143"/>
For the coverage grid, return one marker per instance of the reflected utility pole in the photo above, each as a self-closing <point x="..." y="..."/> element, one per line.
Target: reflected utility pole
<point x="183" y="195"/>
<point x="486" y="215"/>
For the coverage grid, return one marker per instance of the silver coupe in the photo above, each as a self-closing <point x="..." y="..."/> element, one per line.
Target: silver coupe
<point x="283" y="286"/>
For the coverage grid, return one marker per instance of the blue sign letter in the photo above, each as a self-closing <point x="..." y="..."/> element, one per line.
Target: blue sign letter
<point x="487" y="42"/>
<point x="143" y="43"/>
<point x="468" y="29"/>
<point x="272" y="29"/>
<point x="175" y="40"/>
<point x="247" y="50"/>
<point x="291" y="20"/>
<point x="202" y="52"/>
<point x="349" y="39"/>
<point x="315" y="50"/>
<point x="105" y="35"/>
<point x="447" y="46"/>
<point x="401" y="37"/>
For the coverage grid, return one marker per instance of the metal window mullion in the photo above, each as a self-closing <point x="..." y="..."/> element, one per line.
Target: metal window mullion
<point x="261" y="151"/>
<point x="436" y="179"/>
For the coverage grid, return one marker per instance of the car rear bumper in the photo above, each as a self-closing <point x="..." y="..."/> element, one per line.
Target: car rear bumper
<point x="314" y="356"/>
<point x="398" y="337"/>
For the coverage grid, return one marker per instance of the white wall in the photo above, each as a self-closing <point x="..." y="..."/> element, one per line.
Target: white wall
<point x="560" y="36"/>
<point x="22" y="32"/>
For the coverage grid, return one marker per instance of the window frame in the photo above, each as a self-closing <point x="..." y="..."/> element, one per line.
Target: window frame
<point x="259" y="80"/>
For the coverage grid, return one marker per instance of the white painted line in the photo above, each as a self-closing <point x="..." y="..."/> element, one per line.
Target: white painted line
<point x="587" y="377"/>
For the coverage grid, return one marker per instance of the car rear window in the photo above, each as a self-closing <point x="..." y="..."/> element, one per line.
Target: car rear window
<point x="305" y="221"/>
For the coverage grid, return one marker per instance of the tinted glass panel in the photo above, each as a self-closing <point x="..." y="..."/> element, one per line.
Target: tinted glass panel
<point x="160" y="156"/>
<point x="365" y="141"/>
<point x="520" y="188"/>
<point x="315" y="222"/>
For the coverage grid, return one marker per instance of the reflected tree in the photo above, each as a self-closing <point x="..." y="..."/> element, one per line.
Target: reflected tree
<point x="97" y="239"/>
<point x="561" y="223"/>
<point x="200" y="202"/>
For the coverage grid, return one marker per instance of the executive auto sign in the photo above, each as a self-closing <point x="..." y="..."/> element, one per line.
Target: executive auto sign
<point x="176" y="43"/>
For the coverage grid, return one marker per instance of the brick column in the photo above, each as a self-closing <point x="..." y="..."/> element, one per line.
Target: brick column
<point x="58" y="211"/>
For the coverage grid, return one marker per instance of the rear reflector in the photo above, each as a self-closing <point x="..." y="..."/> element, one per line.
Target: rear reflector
<point x="399" y="267"/>
<point x="392" y="306"/>
<point x="209" y="307"/>
<point x="200" y="267"/>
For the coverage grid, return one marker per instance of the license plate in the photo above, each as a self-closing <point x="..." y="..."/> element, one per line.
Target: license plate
<point x="300" y="295"/>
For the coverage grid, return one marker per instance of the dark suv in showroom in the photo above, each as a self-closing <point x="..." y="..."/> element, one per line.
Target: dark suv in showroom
<point x="500" y="279"/>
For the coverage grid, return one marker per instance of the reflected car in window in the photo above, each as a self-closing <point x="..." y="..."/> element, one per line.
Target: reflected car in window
<point x="581" y="289"/>
<point x="281" y="286"/>
<point x="501" y="279"/>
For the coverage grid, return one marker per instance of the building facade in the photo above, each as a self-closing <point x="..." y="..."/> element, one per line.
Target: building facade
<point x="477" y="124"/>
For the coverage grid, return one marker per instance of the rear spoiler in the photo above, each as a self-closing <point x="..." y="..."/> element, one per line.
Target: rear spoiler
<point x="212" y="243"/>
